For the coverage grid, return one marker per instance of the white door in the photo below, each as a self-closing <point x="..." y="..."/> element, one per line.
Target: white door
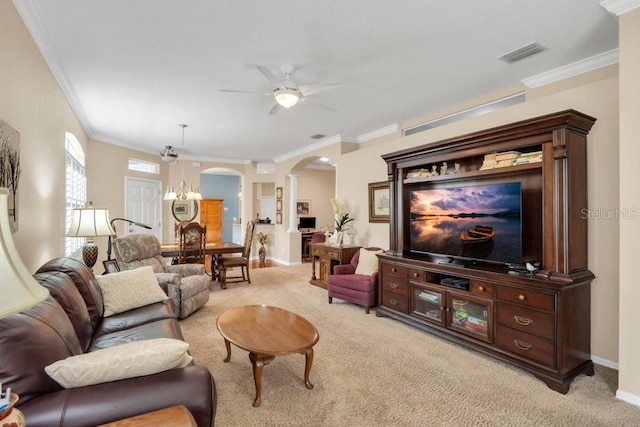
<point x="143" y="202"/>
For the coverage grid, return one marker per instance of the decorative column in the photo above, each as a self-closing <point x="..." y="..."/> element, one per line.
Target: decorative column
<point x="293" y="197"/>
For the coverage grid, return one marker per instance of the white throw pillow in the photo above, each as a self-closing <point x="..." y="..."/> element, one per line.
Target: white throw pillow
<point x="126" y="290"/>
<point x="368" y="262"/>
<point x="134" y="359"/>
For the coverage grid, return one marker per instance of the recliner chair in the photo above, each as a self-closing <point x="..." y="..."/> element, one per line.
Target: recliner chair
<point x="187" y="285"/>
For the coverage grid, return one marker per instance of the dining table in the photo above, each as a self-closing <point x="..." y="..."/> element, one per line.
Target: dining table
<point x="215" y="249"/>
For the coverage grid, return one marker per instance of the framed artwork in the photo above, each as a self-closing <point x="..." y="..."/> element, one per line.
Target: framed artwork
<point x="10" y="169"/>
<point x="379" y="201"/>
<point x="278" y="205"/>
<point x="111" y="266"/>
<point x="303" y="207"/>
<point x="278" y="217"/>
<point x="279" y="193"/>
<point x="180" y="208"/>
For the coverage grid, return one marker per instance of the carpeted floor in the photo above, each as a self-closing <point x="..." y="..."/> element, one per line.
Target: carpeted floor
<point x="376" y="371"/>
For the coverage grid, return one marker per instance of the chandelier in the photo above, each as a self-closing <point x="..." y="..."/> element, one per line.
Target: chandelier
<point x="182" y="191"/>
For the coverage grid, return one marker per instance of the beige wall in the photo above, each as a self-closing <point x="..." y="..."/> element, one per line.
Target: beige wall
<point x="629" y="376"/>
<point x="32" y="102"/>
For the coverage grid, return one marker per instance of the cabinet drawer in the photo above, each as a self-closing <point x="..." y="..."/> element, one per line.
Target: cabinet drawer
<point x="394" y="270"/>
<point x="527" y="345"/>
<point x="527" y="298"/>
<point x="396" y="285"/>
<point x="416" y="274"/>
<point x="395" y="301"/>
<point x="526" y="320"/>
<point x="327" y="251"/>
<point x="481" y="288"/>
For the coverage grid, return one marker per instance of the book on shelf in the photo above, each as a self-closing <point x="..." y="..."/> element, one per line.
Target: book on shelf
<point x="507" y="155"/>
<point x="418" y="173"/>
<point x="488" y="164"/>
<point x="525" y="158"/>
<point x="505" y="162"/>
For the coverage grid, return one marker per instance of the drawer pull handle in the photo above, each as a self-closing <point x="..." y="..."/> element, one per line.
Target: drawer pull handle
<point x="393" y="301"/>
<point x="522" y="297"/>
<point x="394" y="285"/>
<point x="523" y="320"/>
<point x="523" y="345"/>
<point x="393" y="270"/>
<point x="481" y="288"/>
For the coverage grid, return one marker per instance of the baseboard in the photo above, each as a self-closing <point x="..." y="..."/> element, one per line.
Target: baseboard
<point x="604" y="362"/>
<point x="628" y="397"/>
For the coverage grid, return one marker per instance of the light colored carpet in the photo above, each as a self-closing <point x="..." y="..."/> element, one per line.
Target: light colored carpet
<point x="376" y="371"/>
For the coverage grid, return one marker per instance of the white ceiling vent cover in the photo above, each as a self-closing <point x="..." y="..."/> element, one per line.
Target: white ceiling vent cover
<point x="521" y="52"/>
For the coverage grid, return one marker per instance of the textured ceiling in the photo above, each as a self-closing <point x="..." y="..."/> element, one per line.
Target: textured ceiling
<point x="134" y="69"/>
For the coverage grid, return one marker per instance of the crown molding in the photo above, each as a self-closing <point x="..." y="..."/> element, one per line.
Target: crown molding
<point x="579" y="67"/>
<point x="324" y="142"/>
<point x="378" y="133"/>
<point x="618" y="7"/>
<point x="31" y="18"/>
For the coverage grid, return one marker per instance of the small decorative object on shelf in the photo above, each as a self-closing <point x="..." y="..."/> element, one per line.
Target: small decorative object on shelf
<point x="443" y="169"/>
<point x="456" y="168"/>
<point x="10" y="416"/>
<point x="434" y="170"/>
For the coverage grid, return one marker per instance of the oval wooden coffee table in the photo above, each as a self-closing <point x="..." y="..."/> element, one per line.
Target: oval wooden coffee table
<point x="266" y="332"/>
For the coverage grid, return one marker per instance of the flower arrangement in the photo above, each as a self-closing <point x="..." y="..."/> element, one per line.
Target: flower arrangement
<point x="341" y="215"/>
<point x="262" y="238"/>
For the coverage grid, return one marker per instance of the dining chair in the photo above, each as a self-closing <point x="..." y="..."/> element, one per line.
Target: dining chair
<point x="192" y="243"/>
<point x="242" y="261"/>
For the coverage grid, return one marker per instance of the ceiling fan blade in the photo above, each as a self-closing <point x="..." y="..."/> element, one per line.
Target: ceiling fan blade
<point x="313" y="103"/>
<point x="266" y="72"/>
<point x="276" y="109"/>
<point x="245" y="91"/>
<point x="311" y="89"/>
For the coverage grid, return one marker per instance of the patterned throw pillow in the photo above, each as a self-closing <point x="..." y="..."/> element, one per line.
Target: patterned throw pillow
<point x="134" y="359"/>
<point x="126" y="290"/>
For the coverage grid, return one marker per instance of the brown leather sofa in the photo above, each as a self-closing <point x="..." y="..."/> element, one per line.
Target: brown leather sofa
<point x="70" y="322"/>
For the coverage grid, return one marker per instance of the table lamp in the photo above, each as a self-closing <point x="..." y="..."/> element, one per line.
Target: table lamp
<point x="90" y="222"/>
<point x="18" y="291"/>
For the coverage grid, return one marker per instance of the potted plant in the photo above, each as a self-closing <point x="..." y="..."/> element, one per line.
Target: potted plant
<point x="341" y="218"/>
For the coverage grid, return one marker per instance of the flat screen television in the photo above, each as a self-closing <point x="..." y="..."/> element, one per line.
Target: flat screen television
<point x="307" y="222"/>
<point x="477" y="222"/>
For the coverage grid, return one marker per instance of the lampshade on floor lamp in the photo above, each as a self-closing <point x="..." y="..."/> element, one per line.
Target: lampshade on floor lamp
<point x="90" y="222"/>
<point x="18" y="288"/>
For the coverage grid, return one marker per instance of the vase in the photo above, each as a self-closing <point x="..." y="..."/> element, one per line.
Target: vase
<point x="262" y="254"/>
<point x="12" y="417"/>
<point x="340" y="239"/>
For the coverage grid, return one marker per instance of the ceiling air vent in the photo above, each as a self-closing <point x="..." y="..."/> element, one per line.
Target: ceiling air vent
<point x="521" y="52"/>
<point x="317" y="136"/>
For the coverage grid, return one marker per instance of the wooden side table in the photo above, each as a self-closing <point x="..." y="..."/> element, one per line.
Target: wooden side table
<point x="328" y="256"/>
<point x="174" y="416"/>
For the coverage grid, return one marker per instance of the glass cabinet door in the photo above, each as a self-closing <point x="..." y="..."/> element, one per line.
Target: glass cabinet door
<point x="428" y="303"/>
<point x="470" y="315"/>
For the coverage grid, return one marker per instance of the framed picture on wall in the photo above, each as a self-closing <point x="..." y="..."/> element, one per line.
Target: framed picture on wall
<point x="278" y="205"/>
<point x="278" y="217"/>
<point x="279" y="193"/>
<point x="303" y="207"/>
<point x="379" y="201"/>
<point x="181" y="208"/>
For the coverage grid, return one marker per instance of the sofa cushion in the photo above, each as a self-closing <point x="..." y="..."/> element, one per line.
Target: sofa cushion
<point x="126" y="290"/>
<point x="84" y="280"/>
<point x="31" y="340"/>
<point x="368" y="262"/>
<point x="136" y="317"/>
<point x="166" y="328"/>
<point x="137" y="250"/>
<point x="135" y="359"/>
<point x="63" y="289"/>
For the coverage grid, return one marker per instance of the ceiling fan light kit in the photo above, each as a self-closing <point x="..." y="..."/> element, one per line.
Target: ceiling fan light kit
<point x="168" y="154"/>
<point x="287" y="97"/>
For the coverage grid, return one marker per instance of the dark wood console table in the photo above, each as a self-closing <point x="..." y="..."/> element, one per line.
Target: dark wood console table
<point x="328" y="256"/>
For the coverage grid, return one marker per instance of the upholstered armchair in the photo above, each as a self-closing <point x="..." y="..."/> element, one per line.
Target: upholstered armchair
<point x="187" y="285"/>
<point x="356" y="282"/>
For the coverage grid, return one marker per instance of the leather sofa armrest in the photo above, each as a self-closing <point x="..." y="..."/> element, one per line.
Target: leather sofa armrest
<point x="192" y="387"/>
<point x="185" y="270"/>
<point x="343" y="269"/>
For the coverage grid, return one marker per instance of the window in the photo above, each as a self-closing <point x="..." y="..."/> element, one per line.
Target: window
<point x="75" y="190"/>
<point x="142" y="166"/>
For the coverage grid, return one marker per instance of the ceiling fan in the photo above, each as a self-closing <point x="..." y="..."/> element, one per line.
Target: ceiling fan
<point x="287" y="93"/>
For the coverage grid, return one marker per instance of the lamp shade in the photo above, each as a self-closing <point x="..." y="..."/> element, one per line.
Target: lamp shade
<point x="90" y="222"/>
<point x="287" y="97"/>
<point x="18" y="289"/>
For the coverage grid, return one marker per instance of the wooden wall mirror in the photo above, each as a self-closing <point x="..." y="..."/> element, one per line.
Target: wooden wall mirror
<point x="184" y="210"/>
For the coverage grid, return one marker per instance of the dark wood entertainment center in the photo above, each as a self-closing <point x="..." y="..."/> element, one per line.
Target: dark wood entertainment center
<point x="538" y="321"/>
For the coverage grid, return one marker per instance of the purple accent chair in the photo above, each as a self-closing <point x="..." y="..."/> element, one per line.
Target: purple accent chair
<point x="354" y="288"/>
